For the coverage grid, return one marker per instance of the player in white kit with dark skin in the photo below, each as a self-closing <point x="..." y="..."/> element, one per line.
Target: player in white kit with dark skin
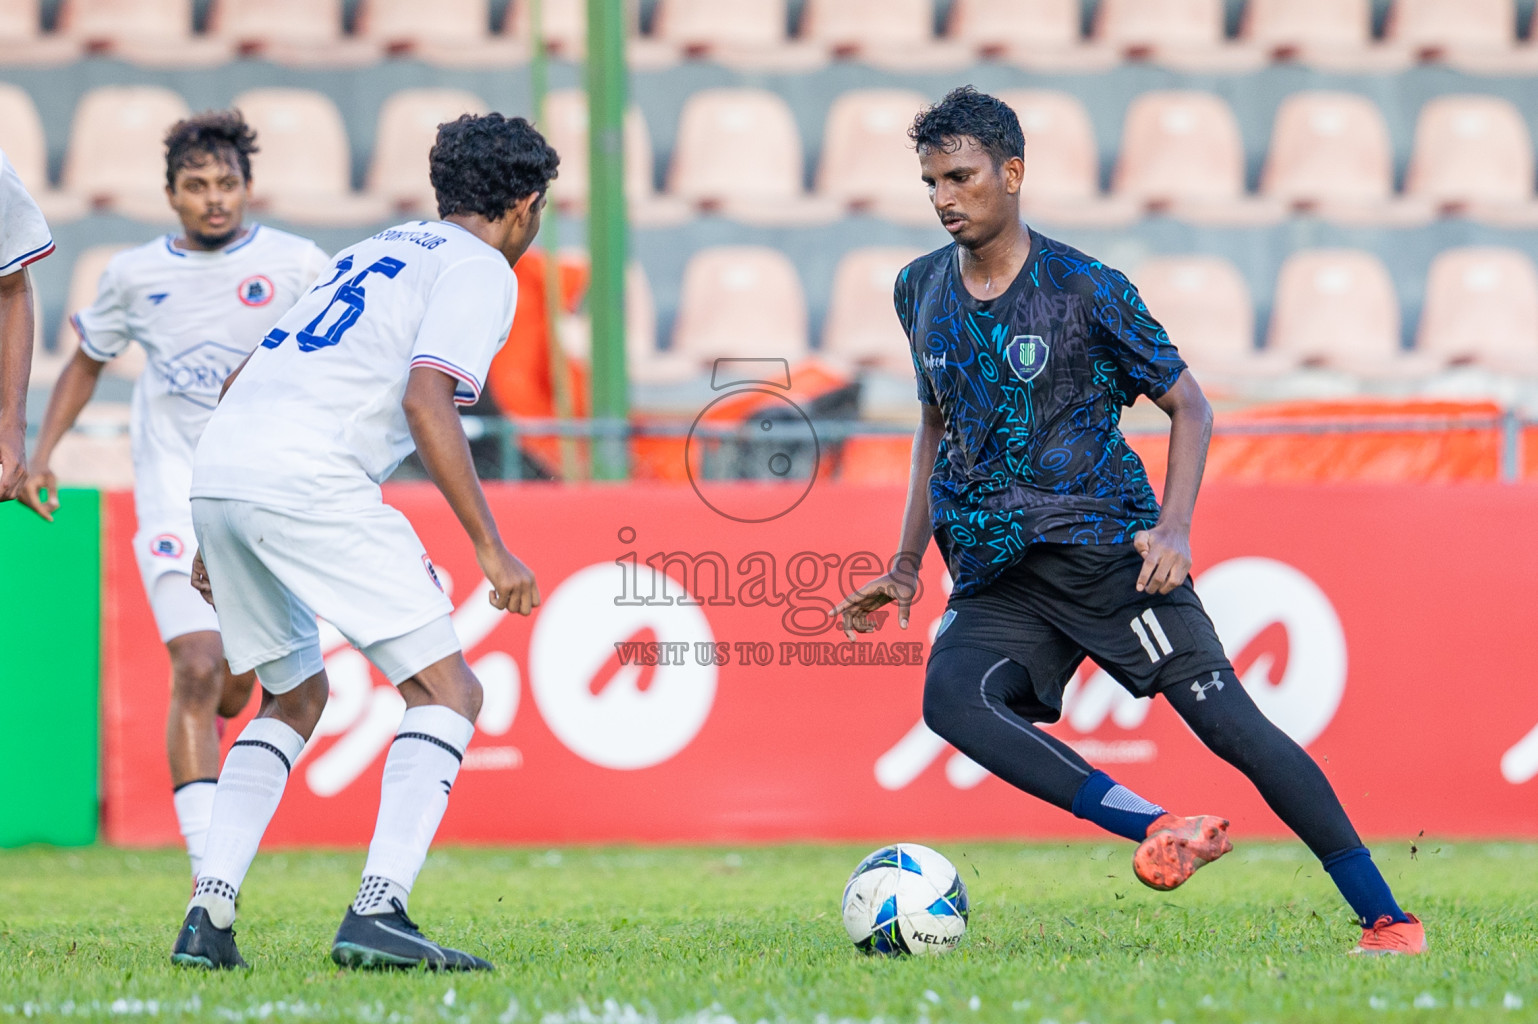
<point x="292" y="524"/>
<point x="24" y="239"/>
<point x="197" y="303"/>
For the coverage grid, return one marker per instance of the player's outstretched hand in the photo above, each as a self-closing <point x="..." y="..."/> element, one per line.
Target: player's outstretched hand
<point x="30" y="493"/>
<point x="13" y="464"/>
<point x="1166" y="552"/>
<point x="854" y="610"/>
<point x="200" y="578"/>
<point x="512" y="583"/>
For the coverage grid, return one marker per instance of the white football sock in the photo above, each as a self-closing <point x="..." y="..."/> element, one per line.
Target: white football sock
<point x="194" y="802"/>
<point x="250" y="786"/>
<point x="419" y="772"/>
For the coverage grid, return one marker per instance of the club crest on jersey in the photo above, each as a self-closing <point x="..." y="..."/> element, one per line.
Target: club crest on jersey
<point x="256" y="291"/>
<point x="1026" y="355"/>
<point x="427" y="563"/>
<point x="167" y="545"/>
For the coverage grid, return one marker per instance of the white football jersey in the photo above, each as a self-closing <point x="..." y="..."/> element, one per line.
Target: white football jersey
<point x="314" y="421"/>
<point x="24" y="236"/>
<point x="197" y="314"/>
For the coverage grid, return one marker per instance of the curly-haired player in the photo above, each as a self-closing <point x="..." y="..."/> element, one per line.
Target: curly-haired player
<point x="198" y="303"/>
<point x="285" y="498"/>
<point x="1026" y="350"/>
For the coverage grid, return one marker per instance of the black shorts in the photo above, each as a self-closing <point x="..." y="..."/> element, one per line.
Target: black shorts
<point x="1063" y="602"/>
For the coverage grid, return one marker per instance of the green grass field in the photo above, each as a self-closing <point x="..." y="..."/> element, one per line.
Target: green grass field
<point x="714" y="936"/>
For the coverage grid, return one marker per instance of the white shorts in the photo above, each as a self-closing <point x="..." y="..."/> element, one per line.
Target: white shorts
<point x="273" y="570"/>
<point x="164" y="550"/>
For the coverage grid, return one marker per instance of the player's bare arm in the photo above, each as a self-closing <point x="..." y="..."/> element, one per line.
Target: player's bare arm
<point x="15" y="368"/>
<point x="1166" y="549"/>
<point x="901" y="583"/>
<point x="74" y="388"/>
<point x="445" y="454"/>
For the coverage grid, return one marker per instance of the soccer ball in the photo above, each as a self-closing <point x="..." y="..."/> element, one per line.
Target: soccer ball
<point x="905" y="899"/>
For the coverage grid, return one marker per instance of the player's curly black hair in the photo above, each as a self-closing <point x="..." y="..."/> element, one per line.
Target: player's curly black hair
<point x="967" y="113"/>
<point x="485" y="164"/>
<point x="221" y="134"/>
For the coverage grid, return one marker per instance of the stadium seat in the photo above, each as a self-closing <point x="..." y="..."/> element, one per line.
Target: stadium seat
<point x="22" y="139"/>
<point x="1336" y="309"/>
<point x="1481" y="307"/>
<point x="303" y="32"/>
<point x="1181" y="153"/>
<point x="22" y="40"/>
<point x="116" y="156"/>
<point x="744" y="34"/>
<point x="454" y="32"/>
<point x="890" y="33"/>
<point x="867" y="161"/>
<point x="738" y="153"/>
<point x="1185" y="33"/>
<point x="1062" y="167"/>
<point x="84" y="276"/>
<point x="1040" y="35"/>
<point x="566" y="127"/>
<point x="302" y="171"/>
<point x="408" y="127"/>
<point x="154" y="32"/>
<point x="1441" y="29"/>
<point x="743" y="302"/>
<point x="861" y="328"/>
<point x="1473" y="155"/>
<point x="1331" y="155"/>
<point x="565" y="32"/>
<point x="1331" y="34"/>
<point x="1205" y="306"/>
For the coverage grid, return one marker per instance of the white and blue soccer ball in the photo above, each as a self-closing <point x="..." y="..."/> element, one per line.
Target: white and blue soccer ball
<point x="905" y="899"/>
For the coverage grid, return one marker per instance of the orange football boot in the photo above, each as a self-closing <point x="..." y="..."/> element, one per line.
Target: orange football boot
<point x="1387" y="937"/>
<point x="1177" y="846"/>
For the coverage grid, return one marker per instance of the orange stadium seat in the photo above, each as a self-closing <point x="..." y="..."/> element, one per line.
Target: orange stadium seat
<point x="1482" y="307"/>
<point x="289" y="31"/>
<point x="1473" y="154"/>
<point x="867" y="160"/>
<point x="701" y="27"/>
<point x="1336" y="309"/>
<point x="1204" y="304"/>
<point x="1181" y="152"/>
<point x="157" y="32"/>
<point x="116" y="156"/>
<point x="302" y="171"/>
<point x="408" y="127"/>
<point x="565" y="127"/>
<point x="1139" y="27"/>
<point x="738" y="152"/>
<point x="84" y="276"/>
<point x="742" y="302"/>
<point x="897" y="33"/>
<point x="1330" y="154"/>
<point x="22" y="41"/>
<point x="1062" y="165"/>
<point x="565" y="32"/>
<point x="444" y="32"/>
<point x="1041" y="35"/>
<point x="1328" y="33"/>
<point x="861" y="327"/>
<point x="1434" y="29"/>
<point x="21" y="136"/>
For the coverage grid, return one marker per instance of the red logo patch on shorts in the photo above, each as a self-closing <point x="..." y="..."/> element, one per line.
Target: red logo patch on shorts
<point x="427" y="563"/>
<point x="256" y="291"/>
<point x="167" y="545"/>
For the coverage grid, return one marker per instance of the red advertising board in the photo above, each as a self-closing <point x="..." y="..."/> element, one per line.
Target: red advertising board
<point x="1388" y="628"/>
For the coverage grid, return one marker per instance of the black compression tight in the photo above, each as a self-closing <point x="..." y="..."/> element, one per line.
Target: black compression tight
<point x="970" y="697"/>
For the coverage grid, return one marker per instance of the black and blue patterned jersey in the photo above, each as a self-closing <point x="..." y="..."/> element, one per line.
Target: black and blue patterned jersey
<point x="1031" y="385"/>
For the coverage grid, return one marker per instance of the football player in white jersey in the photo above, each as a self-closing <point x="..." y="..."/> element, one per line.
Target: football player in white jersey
<point x="291" y="523"/>
<point x="24" y="239"/>
<point x="198" y="303"/>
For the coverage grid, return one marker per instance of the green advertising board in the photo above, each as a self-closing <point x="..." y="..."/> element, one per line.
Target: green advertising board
<point x="50" y="658"/>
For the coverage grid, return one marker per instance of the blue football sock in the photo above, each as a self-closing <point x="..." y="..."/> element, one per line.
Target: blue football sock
<point x="1360" y="881"/>
<point x="1114" y="807"/>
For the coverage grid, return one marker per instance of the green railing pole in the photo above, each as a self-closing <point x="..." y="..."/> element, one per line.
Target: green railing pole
<point x="606" y="228"/>
<point x="550" y="232"/>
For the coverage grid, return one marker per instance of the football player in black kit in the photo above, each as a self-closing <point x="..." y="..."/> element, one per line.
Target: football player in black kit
<point x="1025" y="351"/>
